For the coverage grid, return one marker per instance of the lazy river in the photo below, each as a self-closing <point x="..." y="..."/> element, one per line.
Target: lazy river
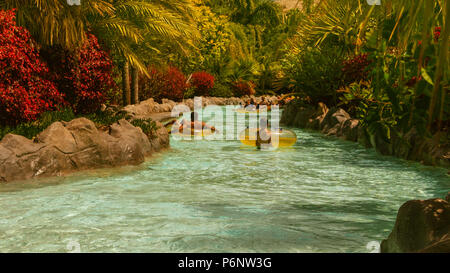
<point x="320" y="195"/>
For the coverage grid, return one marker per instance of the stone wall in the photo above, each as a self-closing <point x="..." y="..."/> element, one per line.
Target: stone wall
<point x="337" y="122"/>
<point x="149" y="107"/>
<point x="66" y="147"/>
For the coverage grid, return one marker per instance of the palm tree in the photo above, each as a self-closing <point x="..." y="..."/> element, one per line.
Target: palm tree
<point x="54" y="22"/>
<point x="251" y="12"/>
<point x="147" y="25"/>
<point x="129" y="28"/>
<point x="405" y="21"/>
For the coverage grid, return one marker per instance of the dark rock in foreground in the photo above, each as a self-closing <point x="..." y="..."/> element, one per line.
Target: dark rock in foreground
<point x="76" y="145"/>
<point x="421" y="226"/>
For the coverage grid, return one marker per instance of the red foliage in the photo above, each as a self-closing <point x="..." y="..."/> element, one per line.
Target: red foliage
<point x="167" y="84"/>
<point x="355" y="69"/>
<point x="437" y="33"/>
<point x="151" y="87"/>
<point x="413" y="81"/>
<point x="84" y="76"/>
<point x="24" y="91"/>
<point x="243" y="88"/>
<point x="174" y="84"/>
<point x="203" y="83"/>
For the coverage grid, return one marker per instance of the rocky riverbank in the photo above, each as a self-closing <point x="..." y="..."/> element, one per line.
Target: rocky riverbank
<point x="150" y="108"/>
<point x="66" y="147"/>
<point x="421" y="226"/>
<point x="337" y="122"/>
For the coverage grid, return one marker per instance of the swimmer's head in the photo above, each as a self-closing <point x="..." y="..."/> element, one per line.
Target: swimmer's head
<point x="263" y="123"/>
<point x="194" y="116"/>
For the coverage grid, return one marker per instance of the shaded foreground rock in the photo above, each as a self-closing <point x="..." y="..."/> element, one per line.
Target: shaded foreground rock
<point x="76" y="145"/>
<point x="421" y="226"/>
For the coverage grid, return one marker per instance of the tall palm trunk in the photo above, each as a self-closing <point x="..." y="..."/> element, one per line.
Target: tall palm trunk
<point x="440" y="67"/>
<point x="134" y="85"/>
<point x="444" y="57"/>
<point x="126" y="84"/>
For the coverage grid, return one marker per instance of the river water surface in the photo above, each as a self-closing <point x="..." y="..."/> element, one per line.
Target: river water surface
<point x="321" y="195"/>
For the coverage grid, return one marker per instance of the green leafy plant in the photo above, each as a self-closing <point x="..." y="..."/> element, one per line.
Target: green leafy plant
<point x="31" y="129"/>
<point x="314" y="73"/>
<point x="148" y="126"/>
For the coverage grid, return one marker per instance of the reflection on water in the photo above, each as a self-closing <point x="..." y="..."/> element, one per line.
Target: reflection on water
<point x="321" y="195"/>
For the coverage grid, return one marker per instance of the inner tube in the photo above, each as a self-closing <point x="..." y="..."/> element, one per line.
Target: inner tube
<point x="286" y="138"/>
<point x="194" y="132"/>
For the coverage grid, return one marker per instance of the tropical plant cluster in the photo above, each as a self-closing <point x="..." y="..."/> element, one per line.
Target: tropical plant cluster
<point x="386" y="64"/>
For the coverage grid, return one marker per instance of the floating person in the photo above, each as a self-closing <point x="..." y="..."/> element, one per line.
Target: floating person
<point x="263" y="135"/>
<point x="194" y="124"/>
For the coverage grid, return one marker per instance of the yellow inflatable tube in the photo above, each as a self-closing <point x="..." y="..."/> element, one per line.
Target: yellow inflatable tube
<point x="285" y="137"/>
<point x="194" y="132"/>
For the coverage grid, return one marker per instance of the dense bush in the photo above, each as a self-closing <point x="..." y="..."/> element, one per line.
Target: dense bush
<point x="148" y="127"/>
<point x="25" y="93"/>
<point x="222" y="90"/>
<point x="243" y="88"/>
<point x="31" y="128"/>
<point x="170" y="84"/>
<point x="437" y="33"/>
<point x="152" y="86"/>
<point x="202" y="82"/>
<point x="314" y="73"/>
<point x="355" y="69"/>
<point x="175" y="84"/>
<point x="83" y="75"/>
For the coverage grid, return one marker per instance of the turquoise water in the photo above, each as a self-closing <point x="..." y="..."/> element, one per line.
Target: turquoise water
<point x="321" y="195"/>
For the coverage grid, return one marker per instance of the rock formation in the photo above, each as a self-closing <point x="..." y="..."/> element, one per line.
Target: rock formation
<point x="337" y="122"/>
<point x="421" y="226"/>
<point x="76" y="145"/>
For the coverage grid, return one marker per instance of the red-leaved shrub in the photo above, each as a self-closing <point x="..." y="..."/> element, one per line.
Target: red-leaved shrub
<point x="25" y="93"/>
<point x="355" y="69"/>
<point x="151" y="87"/>
<point x="437" y="33"/>
<point x="167" y="84"/>
<point x="243" y="88"/>
<point x="203" y="82"/>
<point x="84" y="75"/>
<point x="175" y="84"/>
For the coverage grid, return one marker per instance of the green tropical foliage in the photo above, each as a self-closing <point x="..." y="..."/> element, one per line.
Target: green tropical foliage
<point x="312" y="50"/>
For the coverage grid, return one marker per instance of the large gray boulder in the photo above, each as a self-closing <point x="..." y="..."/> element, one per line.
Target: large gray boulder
<point x="421" y="226"/>
<point x="349" y="130"/>
<point x="316" y="120"/>
<point x="76" y="145"/>
<point x="333" y="121"/>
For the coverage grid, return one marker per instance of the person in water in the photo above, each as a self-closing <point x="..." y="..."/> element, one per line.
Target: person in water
<point x="194" y="124"/>
<point x="263" y="136"/>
